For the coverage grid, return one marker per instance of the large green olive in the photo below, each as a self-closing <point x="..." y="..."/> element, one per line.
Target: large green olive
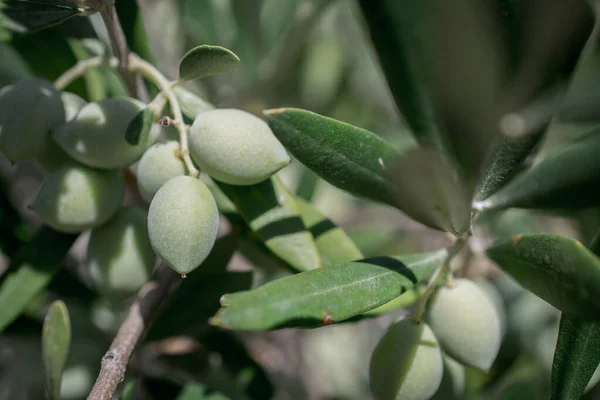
<point x="52" y="157"/>
<point x="96" y="136"/>
<point x="407" y="363"/>
<point x="183" y="222"/>
<point x="76" y="198"/>
<point x="120" y="258"/>
<point x="29" y="109"/>
<point x="159" y="163"/>
<point x="235" y="147"/>
<point x="466" y="323"/>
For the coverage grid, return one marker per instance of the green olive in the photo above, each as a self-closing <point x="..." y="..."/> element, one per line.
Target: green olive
<point x="235" y="147"/>
<point x="466" y="323"/>
<point x="76" y="198"/>
<point x="406" y="363"/>
<point x="96" y="136"/>
<point x="159" y="163"/>
<point x="29" y="109"/>
<point x="183" y="223"/>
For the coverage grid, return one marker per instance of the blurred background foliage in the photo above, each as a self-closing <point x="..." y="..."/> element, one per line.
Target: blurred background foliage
<point x="312" y="54"/>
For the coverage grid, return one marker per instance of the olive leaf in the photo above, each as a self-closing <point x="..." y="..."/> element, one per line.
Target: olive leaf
<point x="576" y="357"/>
<point x="140" y="126"/>
<point x="56" y="340"/>
<point x="565" y="178"/>
<point x="559" y="270"/>
<point x="24" y="16"/>
<point x="30" y="271"/>
<point x="272" y="213"/>
<point x="333" y="243"/>
<point x="205" y="60"/>
<point x="326" y="295"/>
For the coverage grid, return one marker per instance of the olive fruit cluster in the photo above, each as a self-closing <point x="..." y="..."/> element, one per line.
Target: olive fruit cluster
<point x="423" y="360"/>
<point x="83" y="149"/>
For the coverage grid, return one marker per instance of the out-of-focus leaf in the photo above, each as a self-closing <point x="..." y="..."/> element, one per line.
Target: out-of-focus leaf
<point x="332" y="242"/>
<point x="191" y="104"/>
<point x="13" y="66"/>
<point x="140" y="126"/>
<point x="31" y="16"/>
<point x="205" y="60"/>
<point x="559" y="270"/>
<point x="351" y="158"/>
<point x="197" y="391"/>
<point x="56" y="341"/>
<point x="308" y="185"/>
<point x="326" y="295"/>
<point x="30" y="271"/>
<point x="94" y="82"/>
<point x="197" y="297"/>
<point x="429" y="192"/>
<point x="565" y="178"/>
<point x="272" y="213"/>
<point x="277" y="17"/>
<point x="576" y="358"/>
<point x="247" y="41"/>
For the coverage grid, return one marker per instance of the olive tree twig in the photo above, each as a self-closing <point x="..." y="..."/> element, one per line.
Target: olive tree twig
<point x="81" y="67"/>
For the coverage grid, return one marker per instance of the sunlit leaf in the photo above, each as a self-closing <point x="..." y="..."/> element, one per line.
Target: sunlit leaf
<point x="326" y="295"/>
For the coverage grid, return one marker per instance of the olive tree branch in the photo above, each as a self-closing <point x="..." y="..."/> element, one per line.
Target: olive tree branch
<point x="81" y="67"/>
<point x="114" y="363"/>
<point x="150" y="72"/>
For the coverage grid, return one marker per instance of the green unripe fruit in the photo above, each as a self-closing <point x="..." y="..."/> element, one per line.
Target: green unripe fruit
<point x="407" y="363"/>
<point x="235" y="147"/>
<point x="453" y="381"/>
<point x="120" y="258"/>
<point x="52" y="157"/>
<point x="159" y="163"/>
<point x="76" y="198"/>
<point x="96" y="136"/>
<point x="29" y="109"/>
<point x="183" y="222"/>
<point x="466" y="323"/>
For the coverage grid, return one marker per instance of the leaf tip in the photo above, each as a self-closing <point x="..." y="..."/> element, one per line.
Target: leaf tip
<point x="327" y="319"/>
<point x="516" y="238"/>
<point x="274" y="111"/>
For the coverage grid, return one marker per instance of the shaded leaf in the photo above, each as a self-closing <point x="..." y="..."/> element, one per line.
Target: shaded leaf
<point x="205" y="60"/>
<point x="56" y="341"/>
<point x="197" y="297"/>
<point x="326" y="295"/>
<point x="559" y="270"/>
<point x="272" y="213"/>
<point x="30" y="271"/>
<point x="564" y="178"/>
<point x="404" y="300"/>
<point x="332" y="242"/>
<point x="191" y="104"/>
<point x="31" y="16"/>
<point x="197" y="391"/>
<point x="351" y="158"/>
<point x="139" y="127"/>
<point x="576" y="357"/>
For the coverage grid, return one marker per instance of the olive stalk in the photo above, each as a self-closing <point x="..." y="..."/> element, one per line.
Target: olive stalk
<point x="81" y="67"/>
<point x="444" y="272"/>
<point x="138" y="65"/>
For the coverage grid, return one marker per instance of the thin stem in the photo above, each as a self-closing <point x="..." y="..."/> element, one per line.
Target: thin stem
<point x="81" y="67"/>
<point x="150" y="72"/>
<point x="444" y="272"/>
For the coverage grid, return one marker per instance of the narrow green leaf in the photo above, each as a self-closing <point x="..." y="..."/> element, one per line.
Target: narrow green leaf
<point x="326" y="295"/>
<point x="197" y="297"/>
<point x="576" y="357"/>
<point x="32" y="16"/>
<point x="351" y="158"/>
<point x="56" y="341"/>
<point x="404" y="300"/>
<point x="418" y="181"/>
<point x="30" y="271"/>
<point x="272" y="213"/>
<point x="139" y="127"/>
<point x="191" y="104"/>
<point x="205" y="60"/>
<point x="332" y="242"/>
<point x="559" y="270"/>
<point x="566" y="178"/>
